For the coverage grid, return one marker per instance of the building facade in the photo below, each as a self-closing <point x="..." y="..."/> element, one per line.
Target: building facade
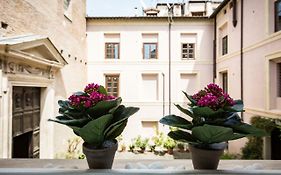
<point x="248" y="56"/>
<point x="41" y="44"/>
<point x="149" y="61"/>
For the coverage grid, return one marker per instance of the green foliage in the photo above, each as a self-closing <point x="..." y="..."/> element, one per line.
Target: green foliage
<point x="103" y="121"/>
<point x="169" y="143"/>
<point x="253" y="148"/>
<point x="228" y="156"/>
<point x="141" y="143"/>
<point x="158" y="139"/>
<point x="73" y="149"/>
<point x="208" y="125"/>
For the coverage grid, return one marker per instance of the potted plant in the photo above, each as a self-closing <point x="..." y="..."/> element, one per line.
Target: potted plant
<point x="214" y="122"/>
<point x="169" y="144"/>
<point x="98" y="119"/>
<point x="141" y="143"/>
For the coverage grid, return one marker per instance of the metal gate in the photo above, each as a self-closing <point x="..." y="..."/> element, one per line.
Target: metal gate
<point x="26" y="122"/>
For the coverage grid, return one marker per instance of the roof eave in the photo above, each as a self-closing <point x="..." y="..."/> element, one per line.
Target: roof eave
<point x="218" y="9"/>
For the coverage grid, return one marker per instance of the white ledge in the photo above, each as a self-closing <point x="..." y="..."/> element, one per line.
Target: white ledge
<point x="61" y="166"/>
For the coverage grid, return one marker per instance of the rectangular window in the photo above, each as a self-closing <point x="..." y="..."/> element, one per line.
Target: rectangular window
<point x="279" y="78"/>
<point x="224" y="45"/>
<point x="150" y="51"/>
<point x="112" y="84"/>
<point x="188" y="50"/>
<point x="225" y="82"/>
<point x="277" y="14"/>
<point x="111" y="50"/>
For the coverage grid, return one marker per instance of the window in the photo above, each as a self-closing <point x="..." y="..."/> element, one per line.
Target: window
<point x="279" y="78"/>
<point x="277" y="14"/>
<point x="224" y="45"/>
<point x="224" y="82"/>
<point x="197" y="13"/>
<point x="111" y="50"/>
<point x="112" y="84"/>
<point x="187" y="50"/>
<point x="150" y="51"/>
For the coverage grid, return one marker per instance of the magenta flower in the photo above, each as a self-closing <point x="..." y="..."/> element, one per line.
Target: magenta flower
<point x="213" y="97"/>
<point x="91" y="88"/>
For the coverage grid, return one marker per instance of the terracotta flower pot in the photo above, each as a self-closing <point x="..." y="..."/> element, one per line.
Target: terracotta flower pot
<point x="207" y="156"/>
<point x="99" y="158"/>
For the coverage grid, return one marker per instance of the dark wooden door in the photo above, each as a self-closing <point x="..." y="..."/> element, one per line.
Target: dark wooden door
<point x="276" y="144"/>
<point x="26" y="122"/>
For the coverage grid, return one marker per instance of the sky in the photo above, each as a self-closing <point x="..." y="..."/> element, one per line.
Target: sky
<point x="120" y="7"/>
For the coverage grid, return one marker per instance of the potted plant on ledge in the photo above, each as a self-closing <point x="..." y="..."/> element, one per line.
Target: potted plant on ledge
<point x="214" y="122"/>
<point x="98" y="119"/>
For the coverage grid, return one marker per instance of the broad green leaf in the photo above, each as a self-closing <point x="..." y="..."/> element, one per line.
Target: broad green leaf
<point x="208" y="112"/>
<point x="79" y="93"/>
<point x="93" y="132"/>
<point x="189" y="97"/>
<point x="74" y="114"/>
<point x="76" y="130"/>
<point x="185" y="111"/>
<point x="176" y="121"/>
<point x="63" y="103"/>
<point x="238" y="107"/>
<point x="249" y="130"/>
<point x="120" y="115"/>
<point x="182" y="136"/>
<point x="116" y="130"/>
<point x="102" y="90"/>
<point x="70" y="122"/>
<point x="214" y="134"/>
<point x="102" y="107"/>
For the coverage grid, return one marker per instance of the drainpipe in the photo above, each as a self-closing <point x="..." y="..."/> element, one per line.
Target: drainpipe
<point x="170" y="66"/>
<point x="163" y="98"/>
<point x="215" y="50"/>
<point x="241" y="58"/>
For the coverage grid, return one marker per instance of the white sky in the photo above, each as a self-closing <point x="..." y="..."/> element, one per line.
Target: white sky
<point x="120" y="7"/>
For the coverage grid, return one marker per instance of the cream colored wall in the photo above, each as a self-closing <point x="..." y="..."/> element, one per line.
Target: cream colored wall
<point x="259" y="46"/>
<point x="47" y="18"/>
<point x="131" y="65"/>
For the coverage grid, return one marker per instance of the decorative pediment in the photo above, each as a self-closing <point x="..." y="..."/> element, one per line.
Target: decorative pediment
<point x="30" y="55"/>
<point x="34" y="49"/>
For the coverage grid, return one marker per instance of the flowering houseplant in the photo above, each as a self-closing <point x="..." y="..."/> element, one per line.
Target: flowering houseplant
<point x="214" y="119"/>
<point x="95" y="116"/>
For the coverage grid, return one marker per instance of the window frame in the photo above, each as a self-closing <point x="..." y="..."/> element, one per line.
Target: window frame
<point x="143" y="51"/>
<point x="224" y="76"/>
<point x="188" y="58"/>
<point x="225" y="45"/>
<point x="118" y="84"/>
<point x="276" y="20"/>
<point x="112" y="51"/>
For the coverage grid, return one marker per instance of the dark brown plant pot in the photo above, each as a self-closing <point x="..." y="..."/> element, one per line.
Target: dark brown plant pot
<point x="170" y="151"/>
<point x="206" y="157"/>
<point x="99" y="158"/>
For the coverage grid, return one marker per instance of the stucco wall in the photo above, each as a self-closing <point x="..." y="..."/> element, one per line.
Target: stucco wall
<point x="131" y="65"/>
<point x="68" y="34"/>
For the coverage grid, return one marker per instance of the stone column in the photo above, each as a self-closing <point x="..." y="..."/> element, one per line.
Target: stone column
<point x="266" y="148"/>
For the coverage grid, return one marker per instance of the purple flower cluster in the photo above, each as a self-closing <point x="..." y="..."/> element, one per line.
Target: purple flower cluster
<point x="91" y="97"/>
<point x="213" y="96"/>
<point x="91" y="88"/>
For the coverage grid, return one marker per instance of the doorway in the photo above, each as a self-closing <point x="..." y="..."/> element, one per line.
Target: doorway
<point x="26" y="122"/>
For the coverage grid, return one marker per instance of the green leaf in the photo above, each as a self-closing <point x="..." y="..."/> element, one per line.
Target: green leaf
<point x="185" y="111"/>
<point x="238" y="107"/>
<point x="102" y="90"/>
<point x="208" y="112"/>
<point x="214" y="134"/>
<point x="115" y="131"/>
<point x="74" y="114"/>
<point x="79" y="93"/>
<point x="103" y="107"/>
<point x="120" y="115"/>
<point x="93" y="132"/>
<point x="70" y="122"/>
<point x="189" y="97"/>
<point x="182" y="136"/>
<point x="176" y="121"/>
<point x="249" y="130"/>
